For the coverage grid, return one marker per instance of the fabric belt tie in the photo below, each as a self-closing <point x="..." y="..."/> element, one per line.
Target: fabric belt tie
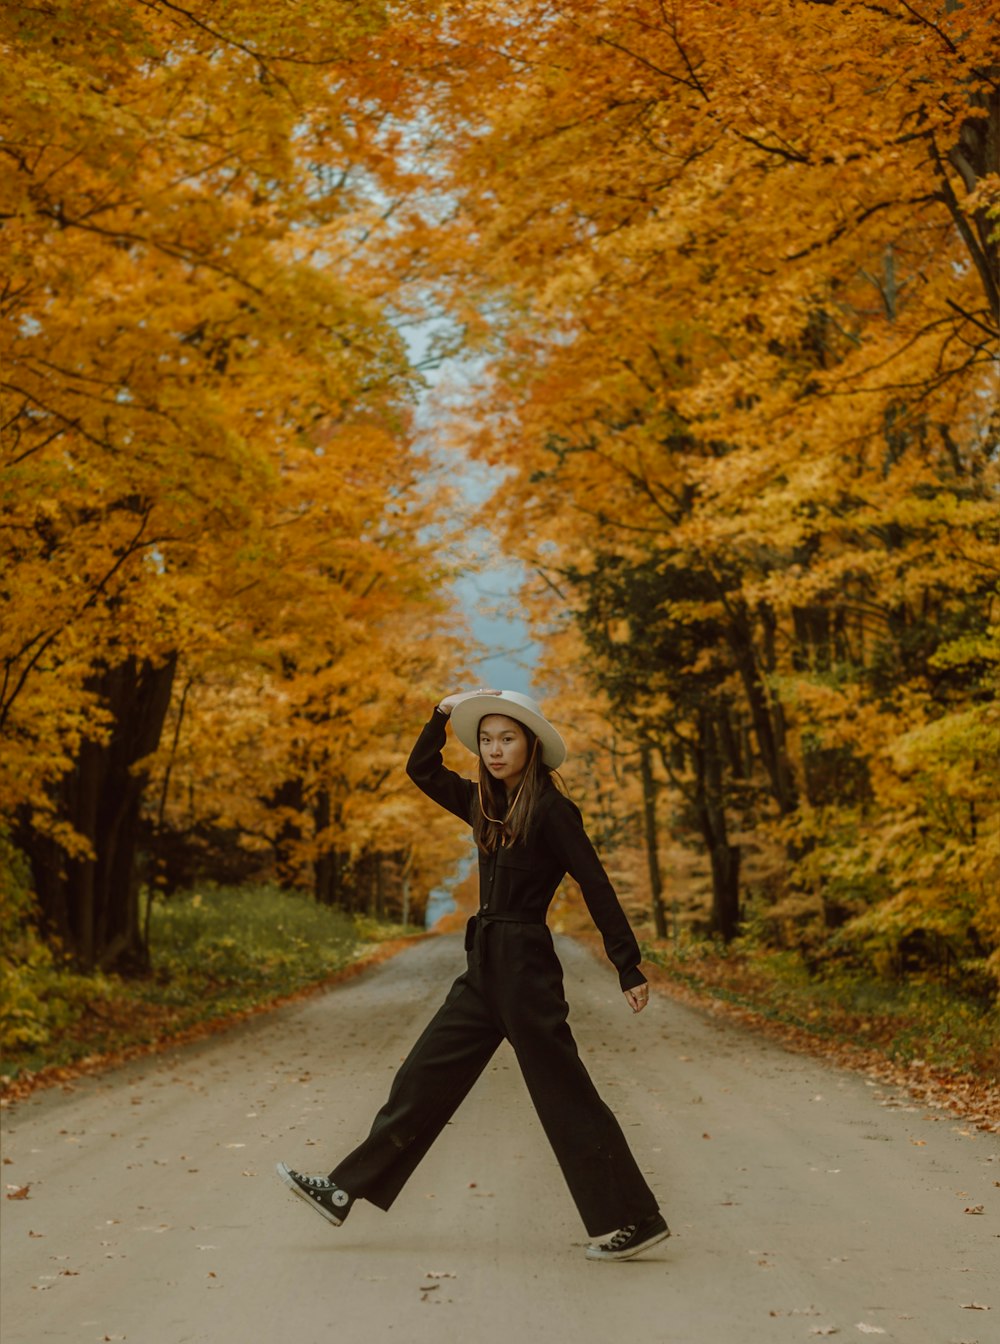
<point x="477" y="925"/>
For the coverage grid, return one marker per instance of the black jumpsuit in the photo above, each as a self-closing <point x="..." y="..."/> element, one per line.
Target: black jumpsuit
<point x="512" y="988"/>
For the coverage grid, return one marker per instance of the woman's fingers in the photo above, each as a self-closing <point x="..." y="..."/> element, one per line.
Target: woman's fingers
<point x="637" y="998"/>
<point x="450" y="701"/>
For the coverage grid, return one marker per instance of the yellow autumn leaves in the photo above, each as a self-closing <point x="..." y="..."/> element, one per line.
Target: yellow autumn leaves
<point x="732" y="274"/>
<point x="217" y="574"/>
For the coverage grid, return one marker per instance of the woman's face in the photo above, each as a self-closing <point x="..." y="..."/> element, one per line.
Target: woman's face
<point x="503" y="745"/>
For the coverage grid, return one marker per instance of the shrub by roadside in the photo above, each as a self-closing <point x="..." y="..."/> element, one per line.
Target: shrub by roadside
<point x="217" y="954"/>
<point x="908" y="1020"/>
<point x="939" y="1044"/>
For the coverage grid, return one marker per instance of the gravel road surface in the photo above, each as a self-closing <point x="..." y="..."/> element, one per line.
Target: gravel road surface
<point x="805" y="1201"/>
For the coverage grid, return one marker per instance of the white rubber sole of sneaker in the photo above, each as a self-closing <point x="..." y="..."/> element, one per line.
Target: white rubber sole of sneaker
<point x="595" y="1252"/>
<point x="285" y="1175"/>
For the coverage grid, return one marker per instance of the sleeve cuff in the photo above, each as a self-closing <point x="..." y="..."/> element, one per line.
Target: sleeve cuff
<point x="631" y="978"/>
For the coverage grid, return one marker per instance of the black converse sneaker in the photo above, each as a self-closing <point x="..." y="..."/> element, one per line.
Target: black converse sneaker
<point x="320" y="1192"/>
<point x="631" y="1240"/>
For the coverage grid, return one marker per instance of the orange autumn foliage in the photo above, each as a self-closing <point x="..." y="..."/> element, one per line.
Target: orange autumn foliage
<point x="216" y="528"/>
<point x="731" y="274"/>
<point x="737" y="272"/>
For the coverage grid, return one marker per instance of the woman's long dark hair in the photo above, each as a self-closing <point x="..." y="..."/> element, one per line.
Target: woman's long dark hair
<point x="493" y="824"/>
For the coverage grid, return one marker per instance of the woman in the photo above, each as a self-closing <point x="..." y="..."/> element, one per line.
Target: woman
<point x="528" y="835"/>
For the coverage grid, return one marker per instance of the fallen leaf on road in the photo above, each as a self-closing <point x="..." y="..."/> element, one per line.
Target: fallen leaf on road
<point x="869" y="1329"/>
<point x="974" y="1208"/>
<point x="706" y="1136"/>
<point x="18" y="1191"/>
<point x="440" y="1274"/>
<point x="974" y="1306"/>
<point x="824" y="1330"/>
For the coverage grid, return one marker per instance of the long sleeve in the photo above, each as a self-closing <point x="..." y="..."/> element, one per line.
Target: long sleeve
<point x="565" y="832"/>
<point x="430" y="774"/>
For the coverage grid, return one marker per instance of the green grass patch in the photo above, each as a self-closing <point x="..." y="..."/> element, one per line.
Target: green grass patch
<point x="215" y="952"/>
<point x="908" y="1021"/>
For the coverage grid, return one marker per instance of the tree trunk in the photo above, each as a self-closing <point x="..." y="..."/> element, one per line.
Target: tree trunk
<point x="379" y="886"/>
<point x="92" y="904"/>
<point x="325" y="867"/>
<point x="405" y="871"/>
<point x="723" y="857"/>
<point x="289" y="795"/>
<point x="766" y="712"/>
<point x="652" y="852"/>
<point x="974" y="158"/>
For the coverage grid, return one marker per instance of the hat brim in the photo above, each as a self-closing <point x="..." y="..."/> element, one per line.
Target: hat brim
<point x="466" y="715"/>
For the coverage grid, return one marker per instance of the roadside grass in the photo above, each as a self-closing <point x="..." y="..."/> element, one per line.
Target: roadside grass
<point x="911" y="1022"/>
<point x="217" y="952"/>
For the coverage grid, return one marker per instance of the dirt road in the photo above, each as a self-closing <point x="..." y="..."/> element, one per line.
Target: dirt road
<point x="804" y="1201"/>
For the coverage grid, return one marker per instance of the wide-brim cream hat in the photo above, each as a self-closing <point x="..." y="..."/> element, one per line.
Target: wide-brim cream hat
<point x="466" y="715"/>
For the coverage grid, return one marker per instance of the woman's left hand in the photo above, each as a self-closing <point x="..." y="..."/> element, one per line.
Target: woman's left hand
<point x="637" y="998"/>
<point x="450" y="701"/>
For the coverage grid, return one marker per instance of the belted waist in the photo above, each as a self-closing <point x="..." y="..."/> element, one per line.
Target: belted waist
<point x="475" y="929"/>
<point x="511" y="916"/>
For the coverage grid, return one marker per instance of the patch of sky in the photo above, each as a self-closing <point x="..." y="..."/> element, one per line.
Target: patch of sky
<point x="488" y="591"/>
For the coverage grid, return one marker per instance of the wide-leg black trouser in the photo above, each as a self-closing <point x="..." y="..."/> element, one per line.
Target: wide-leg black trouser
<point x="513" y="988"/>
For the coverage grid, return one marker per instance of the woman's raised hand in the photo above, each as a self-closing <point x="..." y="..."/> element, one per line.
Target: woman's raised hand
<point x="450" y="701"/>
